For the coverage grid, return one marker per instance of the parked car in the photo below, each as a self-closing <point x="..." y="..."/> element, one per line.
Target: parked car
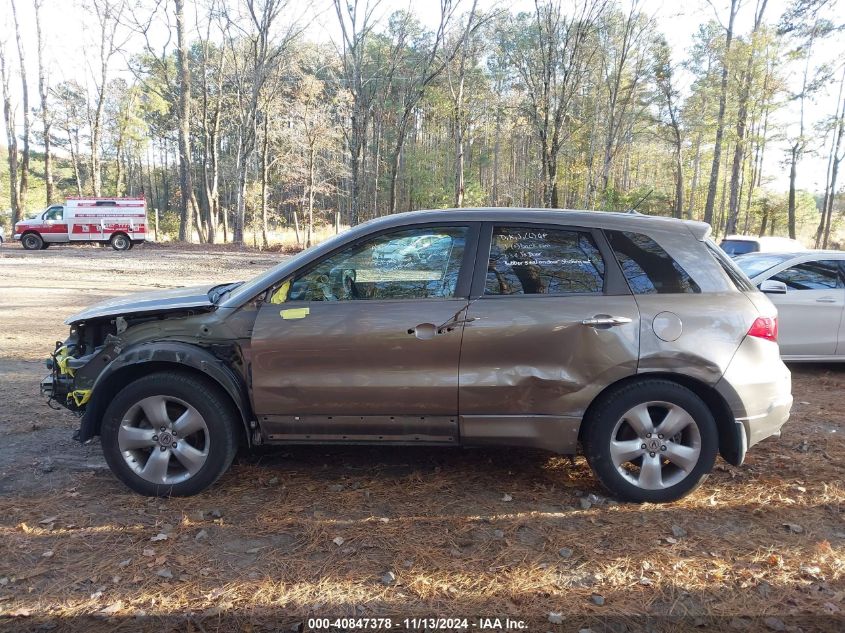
<point x="735" y="245"/>
<point x="808" y="289"/>
<point x="634" y="337"/>
<point x="120" y="222"/>
<point x="2" y="235"/>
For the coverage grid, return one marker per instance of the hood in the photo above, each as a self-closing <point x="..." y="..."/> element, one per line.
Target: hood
<point x="147" y="302"/>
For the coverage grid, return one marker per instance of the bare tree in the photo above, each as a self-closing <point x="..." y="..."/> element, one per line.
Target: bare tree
<point x="187" y="199"/>
<point x="834" y="159"/>
<point x="664" y="75"/>
<point x="551" y="64"/>
<point x="356" y="19"/>
<point x="457" y="81"/>
<point x="11" y="137"/>
<point x="43" y="92"/>
<point x="264" y="53"/>
<point x="742" y="121"/>
<point x="108" y="14"/>
<point x="419" y="67"/>
<point x="624" y="71"/>
<point x="720" y="120"/>
<point x="24" y="166"/>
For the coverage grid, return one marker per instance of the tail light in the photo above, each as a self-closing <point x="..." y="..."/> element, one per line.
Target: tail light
<point x="766" y="328"/>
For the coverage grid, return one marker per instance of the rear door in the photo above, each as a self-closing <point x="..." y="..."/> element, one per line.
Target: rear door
<point x="810" y="313"/>
<point x="551" y="323"/>
<point x="365" y="343"/>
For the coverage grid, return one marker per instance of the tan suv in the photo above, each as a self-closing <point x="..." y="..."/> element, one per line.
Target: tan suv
<point x="634" y="337"/>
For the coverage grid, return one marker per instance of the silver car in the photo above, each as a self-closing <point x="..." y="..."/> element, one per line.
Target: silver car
<point x="634" y="338"/>
<point x="808" y="289"/>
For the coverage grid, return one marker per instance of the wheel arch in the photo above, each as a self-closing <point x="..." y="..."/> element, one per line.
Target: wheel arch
<point x="732" y="441"/>
<point x="147" y="358"/>
<point x="117" y="233"/>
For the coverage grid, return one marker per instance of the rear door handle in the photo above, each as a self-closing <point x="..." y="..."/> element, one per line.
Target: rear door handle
<point x="601" y="320"/>
<point x="825" y="300"/>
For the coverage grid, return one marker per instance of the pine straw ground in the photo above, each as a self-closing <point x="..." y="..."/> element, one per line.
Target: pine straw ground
<point x="764" y="546"/>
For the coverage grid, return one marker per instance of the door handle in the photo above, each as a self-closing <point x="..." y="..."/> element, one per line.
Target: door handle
<point x="825" y="300"/>
<point x="601" y="320"/>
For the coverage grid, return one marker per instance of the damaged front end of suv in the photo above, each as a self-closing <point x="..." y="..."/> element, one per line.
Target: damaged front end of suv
<point x="113" y="343"/>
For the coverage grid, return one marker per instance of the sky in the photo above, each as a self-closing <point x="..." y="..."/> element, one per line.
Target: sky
<point x="67" y="30"/>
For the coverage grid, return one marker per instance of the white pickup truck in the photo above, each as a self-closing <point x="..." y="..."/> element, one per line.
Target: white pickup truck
<point x="121" y="222"/>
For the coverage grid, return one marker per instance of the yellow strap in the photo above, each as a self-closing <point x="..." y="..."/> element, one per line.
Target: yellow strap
<point x="80" y="396"/>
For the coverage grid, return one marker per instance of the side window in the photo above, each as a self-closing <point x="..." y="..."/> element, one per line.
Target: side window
<point x="53" y="213"/>
<point x="732" y="270"/>
<point x="541" y="261"/>
<point x="417" y="263"/>
<point x="648" y="268"/>
<point x="820" y="275"/>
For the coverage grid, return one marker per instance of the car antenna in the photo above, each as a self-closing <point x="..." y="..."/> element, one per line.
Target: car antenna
<point x="639" y="202"/>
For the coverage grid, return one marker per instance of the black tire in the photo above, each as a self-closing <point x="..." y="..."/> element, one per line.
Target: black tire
<point x="221" y="419"/>
<point x="45" y="246"/>
<point x="605" y="419"/>
<point x="120" y="242"/>
<point x="32" y="242"/>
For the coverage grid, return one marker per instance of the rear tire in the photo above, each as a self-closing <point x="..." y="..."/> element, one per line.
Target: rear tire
<point x="673" y="463"/>
<point x="32" y="242"/>
<point x="120" y="242"/>
<point x="197" y="446"/>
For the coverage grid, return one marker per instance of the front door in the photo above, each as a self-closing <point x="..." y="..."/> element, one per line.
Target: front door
<point x="810" y="312"/>
<point x="551" y="323"/>
<point x="365" y="343"/>
<point x="55" y="227"/>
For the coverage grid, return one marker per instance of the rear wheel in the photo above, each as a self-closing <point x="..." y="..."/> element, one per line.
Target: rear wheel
<point x="651" y="441"/>
<point x="120" y="242"/>
<point x="169" y="434"/>
<point x="32" y="242"/>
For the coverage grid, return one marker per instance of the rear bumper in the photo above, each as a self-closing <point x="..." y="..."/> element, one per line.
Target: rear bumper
<point x="758" y="388"/>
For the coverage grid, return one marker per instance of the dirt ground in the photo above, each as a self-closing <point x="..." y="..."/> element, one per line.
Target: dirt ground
<point x="294" y="533"/>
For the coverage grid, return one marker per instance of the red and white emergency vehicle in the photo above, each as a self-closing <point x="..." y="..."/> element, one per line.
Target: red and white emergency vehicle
<point x="121" y="222"/>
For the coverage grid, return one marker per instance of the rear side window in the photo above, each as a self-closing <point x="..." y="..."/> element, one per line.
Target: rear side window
<point x="732" y="267"/>
<point x="541" y="261"/>
<point x="648" y="268"/>
<point x="820" y="275"/>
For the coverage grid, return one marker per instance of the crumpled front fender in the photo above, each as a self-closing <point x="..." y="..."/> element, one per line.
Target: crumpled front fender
<point x="134" y="361"/>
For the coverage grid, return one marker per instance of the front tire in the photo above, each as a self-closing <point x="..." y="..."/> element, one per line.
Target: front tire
<point x="120" y="242"/>
<point x="650" y="441"/>
<point x="32" y="242"/>
<point x="170" y="434"/>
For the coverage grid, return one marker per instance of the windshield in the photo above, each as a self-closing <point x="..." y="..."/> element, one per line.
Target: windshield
<point x="739" y="247"/>
<point x="756" y="263"/>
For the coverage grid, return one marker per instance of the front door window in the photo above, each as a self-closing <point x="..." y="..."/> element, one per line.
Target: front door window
<point x="419" y="263"/>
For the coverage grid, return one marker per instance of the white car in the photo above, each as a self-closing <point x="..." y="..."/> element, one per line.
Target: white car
<point x="2" y="235"/>
<point x="735" y="245"/>
<point x="808" y="289"/>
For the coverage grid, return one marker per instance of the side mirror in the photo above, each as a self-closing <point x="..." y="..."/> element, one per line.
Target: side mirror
<point x="773" y="287"/>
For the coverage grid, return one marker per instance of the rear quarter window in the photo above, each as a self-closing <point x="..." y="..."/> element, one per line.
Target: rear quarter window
<point x="648" y="268"/>
<point x="732" y="269"/>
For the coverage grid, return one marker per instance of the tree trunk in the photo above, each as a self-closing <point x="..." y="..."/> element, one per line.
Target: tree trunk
<point x="720" y="121"/>
<point x="11" y="141"/>
<point x="24" y="166"/>
<point x="187" y="199"/>
<point x="793" y="164"/>
<point x="43" y="90"/>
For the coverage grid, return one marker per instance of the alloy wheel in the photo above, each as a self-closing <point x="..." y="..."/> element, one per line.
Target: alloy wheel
<point x="655" y="445"/>
<point x="164" y="440"/>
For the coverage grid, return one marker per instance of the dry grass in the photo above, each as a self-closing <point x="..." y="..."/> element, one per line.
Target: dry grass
<point x="438" y="521"/>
